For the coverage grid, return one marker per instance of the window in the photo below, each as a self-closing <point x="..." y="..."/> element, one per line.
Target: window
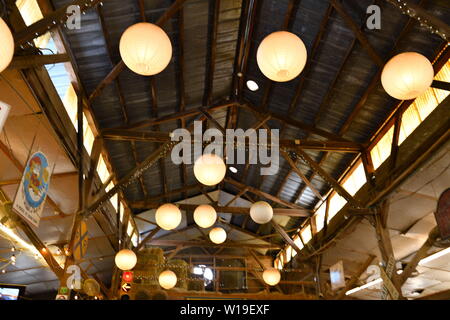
<point x="306" y="234"/>
<point x="130" y="228"/>
<point x="102" y="170"/>
<point x="319" y="216"/>
<point x="355" y="180"/>
<point x="277" y="264"/>
<point x="336" y="203"/>
<point x="31" y="13"/>
<point x="298" y="243"/>
<point x="288" y="253"/>
<point x="382" y="149"/>
<point x="135" y="239"/>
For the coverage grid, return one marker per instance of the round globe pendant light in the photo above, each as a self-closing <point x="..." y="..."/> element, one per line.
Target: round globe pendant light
<point x="125" y="259"/>
<point x="209" y="169"/>
<point x="271" y="276"/>
<point x="218" y="235"/>
<point x="167" y="279"/>
<point x="7" y="43"/>
<point x="261" y="212"/>
<point x="407" y="75"/>
<point x="281" y="56"/>
<point x="145" y="48"/>
<point x="168" y="216"/>
<point x="205" y="216"/>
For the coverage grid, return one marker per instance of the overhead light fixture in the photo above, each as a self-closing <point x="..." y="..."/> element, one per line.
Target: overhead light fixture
<point x="233" y="169"/>
<point x="209" y="169"/>
<point x="168" y="216"/>
<point x="435" y="256"/>
<point x="407" y="75"/>
<point x="281" y="56"/>
<point x="145" y="48"/>
<point x="218" y="235"/>
<point x="125" y="259"/>
<point x="367" y="285"/>
<point x="167" y="279"/>
<point x="17" y="239"/>
<point x="261" y="212"/>
<point x="205" y="216"/>
<point x="271" y="276"/>
<point x="252" y="85"/>
<point x="7" y="41"/>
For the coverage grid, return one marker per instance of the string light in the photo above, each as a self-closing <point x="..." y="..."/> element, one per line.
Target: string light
<point x="406" y="10"/>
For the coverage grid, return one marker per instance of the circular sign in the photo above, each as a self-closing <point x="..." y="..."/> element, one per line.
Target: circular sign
<point x="36" y="179"/>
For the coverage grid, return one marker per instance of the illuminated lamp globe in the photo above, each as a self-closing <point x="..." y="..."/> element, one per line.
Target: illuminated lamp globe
<point x="145" y="48"/>
<point x="209" y="169"/>
<point x="125" y="259"/>
<point x="168" y="216"/>
<point x="281" y="56"/>
<point x="218" y="235"/>
<point x="205" y="216"/>
<point x="271" y="276"/>
<point x="167" y="279"/>
<point x="407" y="75"/>
<point x="261" y="212"/>
<point x="7" y="41"/>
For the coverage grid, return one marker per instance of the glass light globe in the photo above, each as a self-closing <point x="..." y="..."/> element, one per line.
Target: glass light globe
<point x="407" y="75"/>
<point x="261" y="212"/>
<point x="205" y="216"/>
<point x="125" y="259"/>
<point x="167" y="279"/>
<point x="7" y="45"/>
<point x="168" y="216"/>
<point x="281" y="56"/>
<point x="145" y="48"/>
<point x="209" y="169"/>
<point x="271" y="276"/>
<point x="218" y="235"/>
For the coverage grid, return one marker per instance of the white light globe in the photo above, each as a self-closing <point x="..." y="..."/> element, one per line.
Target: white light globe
<point x="218" y="235"/>
<point x="145" y="48"/>
<point x="205" y="216"/>
<point x="167" y="279"/>
<point x="125" y="259"/>
<point x="209" y="169"/>
<point x="7" y="45"/>
<point x="271" y="276"/>
<point x="168" y="216"/>
<point x="407" y="75"/>
<point x="261" y="212"/>
<point x="281" y="56"/>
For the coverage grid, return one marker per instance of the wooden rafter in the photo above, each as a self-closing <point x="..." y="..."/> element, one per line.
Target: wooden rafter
<point x="209" y="244"/>
<point x="358" y="33"/>
<point x="262" y="194"/>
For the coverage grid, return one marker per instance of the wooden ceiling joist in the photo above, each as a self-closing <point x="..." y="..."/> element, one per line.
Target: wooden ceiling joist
<point x="208" y="244"/>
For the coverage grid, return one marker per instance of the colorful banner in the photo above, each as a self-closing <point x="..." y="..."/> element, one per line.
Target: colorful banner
<point x="30" y="197"/>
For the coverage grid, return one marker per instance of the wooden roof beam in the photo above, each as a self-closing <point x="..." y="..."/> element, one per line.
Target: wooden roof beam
<point x="207" y="244"/>
<point x="358" y="33"/>
<point x="51" y="20"/>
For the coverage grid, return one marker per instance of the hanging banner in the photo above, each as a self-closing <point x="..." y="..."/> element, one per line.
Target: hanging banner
<point x="30" y="197"/>
<point x="81" y="241"/>
<point x="337" y="276"/>
<point x="442" y="214"/>
<point x="4" y="112"/>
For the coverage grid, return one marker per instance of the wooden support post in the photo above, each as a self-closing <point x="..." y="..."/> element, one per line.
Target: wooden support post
<point x="354" y="279"/>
